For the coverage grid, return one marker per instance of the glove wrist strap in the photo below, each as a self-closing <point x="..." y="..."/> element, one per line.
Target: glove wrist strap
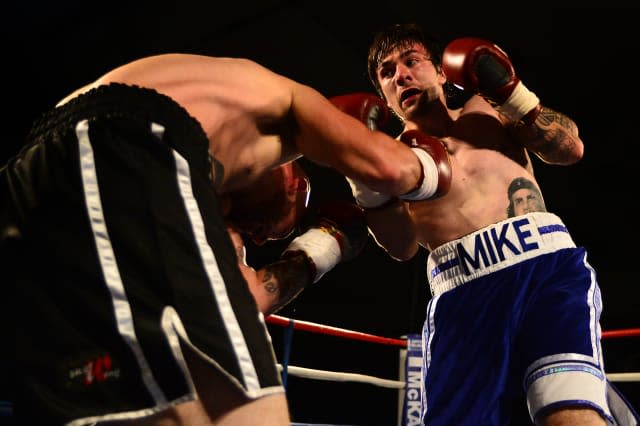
<point x="428" y="183"/>
<point x="521" y="102"/>
<point x="320" y="247"/>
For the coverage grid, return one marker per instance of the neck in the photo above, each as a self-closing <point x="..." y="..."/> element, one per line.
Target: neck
<point x="435" y="120"/>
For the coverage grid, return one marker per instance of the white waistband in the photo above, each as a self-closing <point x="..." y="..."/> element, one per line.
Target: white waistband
<point x="495" y="247"/>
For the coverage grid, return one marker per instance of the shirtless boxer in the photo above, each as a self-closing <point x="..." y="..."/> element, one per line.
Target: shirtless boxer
<point x="122" y="284"/>
<point x="515" y="305"/>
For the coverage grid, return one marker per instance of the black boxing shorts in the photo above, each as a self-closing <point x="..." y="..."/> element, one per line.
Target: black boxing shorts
<point x="114" y="251"/>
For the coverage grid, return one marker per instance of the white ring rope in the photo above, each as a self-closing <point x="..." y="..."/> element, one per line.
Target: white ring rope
<point x="624" y="377"/>
<point x="337" y="376"/>
<point x="310" y="373"/>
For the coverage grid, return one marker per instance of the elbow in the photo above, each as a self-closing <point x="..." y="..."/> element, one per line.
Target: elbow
<point x="399" y="250"/>
<point x="578" y="152"/>
<point x="401" y="254"/>
<point x="575" y="153"/>
<point x="565" y="152"/>
<point x="575" y="146"/>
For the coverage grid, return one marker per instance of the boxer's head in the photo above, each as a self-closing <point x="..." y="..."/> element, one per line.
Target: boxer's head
<point x="400" y="36"/>
<point x="271" y="207"/>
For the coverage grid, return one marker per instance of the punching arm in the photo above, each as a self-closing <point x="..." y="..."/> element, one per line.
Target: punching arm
<point x="435" y="169"/>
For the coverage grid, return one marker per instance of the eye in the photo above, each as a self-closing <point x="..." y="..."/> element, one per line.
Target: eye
<point x="413" y="60"/>
<point x="386" y="72"/>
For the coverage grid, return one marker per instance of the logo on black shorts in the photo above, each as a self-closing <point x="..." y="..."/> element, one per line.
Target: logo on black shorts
<point x="92" y="371"/>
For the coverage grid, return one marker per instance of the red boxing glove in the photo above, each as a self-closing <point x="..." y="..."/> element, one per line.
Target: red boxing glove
<point x="271" y="207"/>
<point x="479" y="66"/>
<point x="436" y="166"/>
<point x="336" y="232"/>
<point x="374" y="113"/>
<point x="366" y="107"/>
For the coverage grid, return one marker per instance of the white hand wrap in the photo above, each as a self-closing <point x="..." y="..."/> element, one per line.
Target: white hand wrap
<point x="321" y="247"/>
<point x="366" y="197"/>
<point x="429" y="184"/>
<point x="521" y="101"/>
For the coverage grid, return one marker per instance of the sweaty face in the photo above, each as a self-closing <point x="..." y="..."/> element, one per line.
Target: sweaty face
<point x="408" y="79"/>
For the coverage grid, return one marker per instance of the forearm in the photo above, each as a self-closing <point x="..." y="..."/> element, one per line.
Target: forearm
<point x="393" y="230"/>
<point x="553" y="137"/>
<point x="276" y="284"/>
<point x="350" y="147"/>
<point x="280" y="282"/>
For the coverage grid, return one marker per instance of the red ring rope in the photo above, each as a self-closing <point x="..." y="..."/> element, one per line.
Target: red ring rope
<point x="334" y="331"/>
<point x="629" y="332"/>
<point x="356" y="335"/>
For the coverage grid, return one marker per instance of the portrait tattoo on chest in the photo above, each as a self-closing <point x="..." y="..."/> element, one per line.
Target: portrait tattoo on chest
<point x="524" y="197"/>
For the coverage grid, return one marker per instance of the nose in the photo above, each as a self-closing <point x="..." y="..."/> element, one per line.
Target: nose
<point x="402" y="74"/>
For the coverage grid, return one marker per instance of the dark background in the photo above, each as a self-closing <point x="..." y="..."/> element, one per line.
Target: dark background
<point x="578" y="60"/>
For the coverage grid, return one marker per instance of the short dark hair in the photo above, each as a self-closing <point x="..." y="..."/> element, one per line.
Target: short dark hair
<point x="520" y="183"/>
<point x="398" y="36"/>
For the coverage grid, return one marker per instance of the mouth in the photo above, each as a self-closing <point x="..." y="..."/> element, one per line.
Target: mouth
<point x="409" y="96"/>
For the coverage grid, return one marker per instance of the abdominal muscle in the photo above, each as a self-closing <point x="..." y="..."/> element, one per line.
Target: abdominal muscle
<point x="477" y="197"/>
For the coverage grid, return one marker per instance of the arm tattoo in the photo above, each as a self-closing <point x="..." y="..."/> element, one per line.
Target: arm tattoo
<point x="287" y="276"/>
<point x="270" y="282"/>
<point x="553" y="137"/>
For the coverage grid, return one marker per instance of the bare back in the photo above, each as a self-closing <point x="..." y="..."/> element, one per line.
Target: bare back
<point x="485" y="160"/>
<point x="241" y="106"/>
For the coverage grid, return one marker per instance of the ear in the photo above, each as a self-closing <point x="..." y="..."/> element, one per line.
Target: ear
<point x="442" y="78"/>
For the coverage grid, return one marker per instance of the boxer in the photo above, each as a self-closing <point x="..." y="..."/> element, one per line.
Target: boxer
<point x="513" y="324"/>
<point x="123" y="287"/>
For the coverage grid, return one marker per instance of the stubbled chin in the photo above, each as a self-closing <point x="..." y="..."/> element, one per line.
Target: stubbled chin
<point x="409" y="110"/>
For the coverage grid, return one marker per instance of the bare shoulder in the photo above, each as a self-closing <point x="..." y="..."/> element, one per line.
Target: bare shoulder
<point x="478" y="105"/>
<point x="172" y="68"/>
<point x="188" y="76"/>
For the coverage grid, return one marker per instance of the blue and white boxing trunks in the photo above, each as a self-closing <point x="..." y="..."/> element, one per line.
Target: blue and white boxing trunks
<point x="515" y="311"/>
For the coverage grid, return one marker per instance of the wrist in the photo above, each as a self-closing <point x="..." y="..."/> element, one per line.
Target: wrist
<point x="321" y="249"/>
<point x="427" y="184"/>
<point x="522" y="104"/>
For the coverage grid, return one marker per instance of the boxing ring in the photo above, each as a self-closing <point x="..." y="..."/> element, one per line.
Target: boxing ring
<point x="402" y="388"/>
<point x="406" y="383"/>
